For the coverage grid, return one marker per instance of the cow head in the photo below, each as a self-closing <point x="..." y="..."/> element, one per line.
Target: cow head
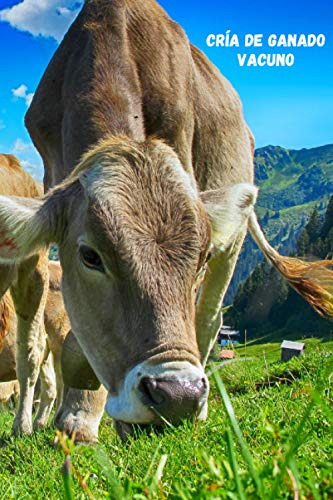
<point x="133" y="236"/>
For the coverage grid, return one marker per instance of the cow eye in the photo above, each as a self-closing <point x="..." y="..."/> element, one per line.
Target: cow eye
<point x="91" y="259"/>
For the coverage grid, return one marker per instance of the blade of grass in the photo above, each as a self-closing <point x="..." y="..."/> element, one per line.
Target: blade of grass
<point x="295" y="479"/>
<point x="294" y="444"/>
<point x="115" y="488"/>
<point x="5" y="495"/>
<point x="224" y="363"/>
<point x="234" y="465"/>
<point x="160" y="468"/>
<point x="234" y="424"/>
<point x="298" y="436"/>
<point x="314" y="490"/>
<point x="152" y="461"/>
<point x="167" y="423"/>
<point x="67" y="478"/>
<point x="156" y="485"/>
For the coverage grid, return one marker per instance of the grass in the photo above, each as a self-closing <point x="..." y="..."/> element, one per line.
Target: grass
<point x="268" y="435"/>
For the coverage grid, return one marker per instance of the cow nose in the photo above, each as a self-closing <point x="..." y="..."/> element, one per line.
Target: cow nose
<point x="173" y="399"/>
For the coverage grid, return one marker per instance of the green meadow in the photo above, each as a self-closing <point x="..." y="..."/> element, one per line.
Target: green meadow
<point x="268" y="435"/>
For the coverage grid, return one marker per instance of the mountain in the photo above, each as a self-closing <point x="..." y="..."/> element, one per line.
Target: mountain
<point x="292" y="183"/>
<point x="289" y="178"/>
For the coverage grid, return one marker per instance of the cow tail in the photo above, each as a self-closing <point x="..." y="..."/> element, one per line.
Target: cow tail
<point x="312" y="280"/>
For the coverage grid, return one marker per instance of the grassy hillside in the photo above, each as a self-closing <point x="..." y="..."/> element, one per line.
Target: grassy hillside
<point x="289" y="178"/>
<point x="277" y="446"/>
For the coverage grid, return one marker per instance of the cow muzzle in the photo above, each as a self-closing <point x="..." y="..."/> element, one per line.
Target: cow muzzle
<point x="169" y="391"/>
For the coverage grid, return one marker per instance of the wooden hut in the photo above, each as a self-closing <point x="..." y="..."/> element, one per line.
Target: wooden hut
<point x="227" y="354"/>
<point x="290" y="349"/>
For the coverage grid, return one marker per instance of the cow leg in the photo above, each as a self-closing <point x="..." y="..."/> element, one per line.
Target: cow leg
<point x="16" y="394"/>
<point x="29" y="294"/>
<point x="82" y="409"/>
<point x="220" y="269"/>
<point x="81" y="413"/>
<point x="48" y="393"/>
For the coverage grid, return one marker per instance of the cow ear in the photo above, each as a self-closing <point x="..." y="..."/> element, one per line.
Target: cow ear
<point x="228" y="211"/>
<point x="22" y="228"/>
<point x="92" y="183"/>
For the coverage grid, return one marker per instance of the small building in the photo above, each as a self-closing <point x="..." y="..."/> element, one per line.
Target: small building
<point x="290" y="349"/>
<point x="227" y="336"/>
<point x="227" y="354"/>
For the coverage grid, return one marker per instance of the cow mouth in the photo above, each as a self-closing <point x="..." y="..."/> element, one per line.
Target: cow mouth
<point x="126" y="431"/>
<point x="159" y="426"/>
<point x="164" y="394"/>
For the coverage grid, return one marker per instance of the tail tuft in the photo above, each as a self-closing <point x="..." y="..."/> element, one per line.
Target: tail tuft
<point x="312" y="280"/>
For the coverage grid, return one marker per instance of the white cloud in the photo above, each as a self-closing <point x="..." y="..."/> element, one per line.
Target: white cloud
<point x="47" y="18"/>
<point x="29" y="158"/>
<point x="21" y="146"/>
<point x="22" y="93"/>
<point x="2" y="124"/>
<point x="36" y="170"/>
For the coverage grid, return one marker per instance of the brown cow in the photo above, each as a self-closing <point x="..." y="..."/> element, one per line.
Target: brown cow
<point x="15" y="181"/>
<point x="28" y="282"/>
<point x="159" y="167"/>
<point x="56" y="327"/>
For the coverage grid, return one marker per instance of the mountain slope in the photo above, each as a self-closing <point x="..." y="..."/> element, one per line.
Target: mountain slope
<point x="292" y="183"/>
<point x="289" y="178"/>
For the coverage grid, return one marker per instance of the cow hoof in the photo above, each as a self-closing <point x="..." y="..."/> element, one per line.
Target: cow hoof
<point x="21" y="427"/>
<point x="39" y="424"/>
<point x="79" y="425"/>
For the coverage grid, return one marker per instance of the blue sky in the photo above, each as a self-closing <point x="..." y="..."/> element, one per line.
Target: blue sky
<point x="287" y="106"/>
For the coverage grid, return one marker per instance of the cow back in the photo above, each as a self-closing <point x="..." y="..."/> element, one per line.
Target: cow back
<point x="125" y="68"/>
<point x="14" y="181"/>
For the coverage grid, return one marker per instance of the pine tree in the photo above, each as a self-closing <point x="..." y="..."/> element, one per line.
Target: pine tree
<point x="265" y="218"/>
<point x="313" y="227"/>
<point x="328" y="221"/>
<point x="319" y="249"/>
<point x="303" y="243"/>
<point x="329" y="244"/>
<point x="256" y="280"/>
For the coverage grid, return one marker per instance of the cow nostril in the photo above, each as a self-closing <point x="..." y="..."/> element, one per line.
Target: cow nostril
<point x="173" y="398"/>
<point x="148" y="387"/>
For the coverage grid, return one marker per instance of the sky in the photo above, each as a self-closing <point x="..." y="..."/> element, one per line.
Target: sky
<point x="290" y="106"/>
